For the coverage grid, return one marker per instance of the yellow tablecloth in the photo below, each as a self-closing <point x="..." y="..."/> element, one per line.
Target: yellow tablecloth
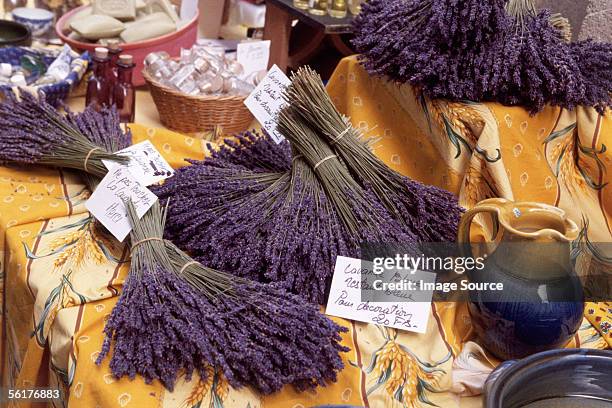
<point x="61" y="277"/>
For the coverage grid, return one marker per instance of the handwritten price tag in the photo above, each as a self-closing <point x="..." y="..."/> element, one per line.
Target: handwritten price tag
<point x="146" y="163"/>
<point x="107" y="202"/>
<point x="352" y="276"/>
<point x="253" y="56"/>
<point x="266" y="101"/>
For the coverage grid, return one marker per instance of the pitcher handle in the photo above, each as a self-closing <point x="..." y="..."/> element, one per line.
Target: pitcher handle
<point x="492" y="206"/>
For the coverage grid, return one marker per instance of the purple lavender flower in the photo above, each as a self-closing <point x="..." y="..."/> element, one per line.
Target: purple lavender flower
<point x="474" y="50"/>
<point x="102" y="128"/>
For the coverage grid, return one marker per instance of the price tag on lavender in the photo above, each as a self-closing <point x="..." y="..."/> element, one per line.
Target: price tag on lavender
<point x="253" y="55"/>
<point x="399" y="310"/>
<point x="146" y="163"/>
<point x="107" y="202"/>
<point x="266" y="101"/>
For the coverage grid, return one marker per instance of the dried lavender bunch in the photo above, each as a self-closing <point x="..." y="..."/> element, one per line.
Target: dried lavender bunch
<point x="216" y="211"/>
<point x="175" y="315"/>
<point x="252" y="151"/>
<point x="430" y="213"/>
<point x="594" y="60"/>
<point x="286" y="228"/>
<point x="269" y="227"/>
<point x="480" y="51"/>
<point x="33" y="132"/>
<point x="155" y="326"/>
<point x="306" y="238"/>
<point x="220" y="206"/>
<point x="103" y="129"/>
<point x="271" y="337"/>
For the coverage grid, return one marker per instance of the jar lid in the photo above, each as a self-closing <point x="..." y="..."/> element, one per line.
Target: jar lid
<point x="126" y="59"/>
<point x="101" y="52"/>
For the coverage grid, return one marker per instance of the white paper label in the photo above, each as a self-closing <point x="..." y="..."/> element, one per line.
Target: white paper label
<point x="107" y="202"/>
<point x="267" y="100"/>
<point x="253" y="56"/>
<point x="146" y="163"/>
<point x="351" y="274"/>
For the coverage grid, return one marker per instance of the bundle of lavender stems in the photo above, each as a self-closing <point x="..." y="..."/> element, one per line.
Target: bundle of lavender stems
<point x="103" y="129"/>
<point x="253" y="211"/>
<point x="431" y="211"/>
<point x="497" y="50"/>
<point x="34" y="132"/>
<point x="175" y="316"/>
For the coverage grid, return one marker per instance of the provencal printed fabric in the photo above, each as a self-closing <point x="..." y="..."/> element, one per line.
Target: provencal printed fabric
<point x="62" y="276"/>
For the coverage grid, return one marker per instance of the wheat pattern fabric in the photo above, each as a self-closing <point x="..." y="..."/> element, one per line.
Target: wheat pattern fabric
<point x="62" y="276"/>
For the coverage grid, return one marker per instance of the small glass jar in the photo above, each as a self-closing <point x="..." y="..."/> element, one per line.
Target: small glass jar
<point x="301" y="4"/>
<point x="210" y="84"/>
<point x="317" y="7"/>
<point x="337" y="8"/>
<point x="355" y="6"/>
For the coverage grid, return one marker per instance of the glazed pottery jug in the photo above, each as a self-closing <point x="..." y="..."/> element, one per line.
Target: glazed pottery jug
<point x="541" y="304"/>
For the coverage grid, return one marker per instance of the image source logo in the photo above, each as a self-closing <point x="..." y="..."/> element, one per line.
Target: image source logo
<point x="505" y="272"/>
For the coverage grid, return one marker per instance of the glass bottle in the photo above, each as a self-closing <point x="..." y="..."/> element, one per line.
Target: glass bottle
<point x="355" y="6"/>
<point x="99" y="89"/>
<point x="124" y="95"/>
<point x="301" y="4"/>
<point x="317" y="7"/>
<point x="337" y="8"/>
<point x="114" y="49"/>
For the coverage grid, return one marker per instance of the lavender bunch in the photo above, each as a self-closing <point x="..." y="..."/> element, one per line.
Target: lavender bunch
<point x="430" y="213"/>
<point x="154" y="326"/>
<point x="33" y="132"/>
<point x="252" y="151"/>
<point x="222" y="205"/>
<point x="274" y="227"/>
<point x="103" y="129"/>
<point x="271" y="337"/>
<point x="175" y="315"/>
<point x="306" y="237"/>
<point x="498" y="50"/>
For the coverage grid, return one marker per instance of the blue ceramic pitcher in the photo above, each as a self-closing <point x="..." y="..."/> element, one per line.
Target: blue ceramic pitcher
<point x="541" y="305"/>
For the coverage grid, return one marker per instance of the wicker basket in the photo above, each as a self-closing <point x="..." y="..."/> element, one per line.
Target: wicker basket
<point x="191" y="114"/>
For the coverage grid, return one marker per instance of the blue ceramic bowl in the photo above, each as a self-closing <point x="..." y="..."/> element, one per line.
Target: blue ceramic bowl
<point x="567" y="378"/>
<point x="38" y="20"/>
<point x="54" y="93"/>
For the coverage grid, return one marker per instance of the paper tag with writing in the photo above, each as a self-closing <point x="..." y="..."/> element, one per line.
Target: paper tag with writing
<point x="107" y="202"/>
<point x="146" y="163"/>
<point x="267" y="100"/>
<point x="400" y="312"/>
<point x="253" y="55"/>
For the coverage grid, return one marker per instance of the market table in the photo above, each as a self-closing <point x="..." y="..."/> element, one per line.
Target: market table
<point x="279" y="17"/>
<point x="62" y="277"/>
